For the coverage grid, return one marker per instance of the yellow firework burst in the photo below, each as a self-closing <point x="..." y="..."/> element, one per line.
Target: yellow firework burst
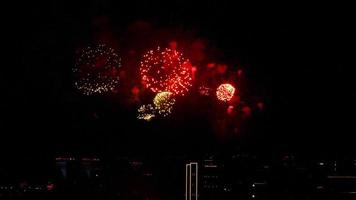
<point x="146" y="112"/>
<point x="164" y="102"/>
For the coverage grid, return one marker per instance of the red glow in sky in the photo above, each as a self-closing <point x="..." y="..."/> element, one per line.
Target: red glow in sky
<point x="230" y="110"/>
<point x="135" y="90"/>
<point x="210" y="65"/>
<point x="260" y="105"/>
<point x="221" y="69"/>
<point x="173" y="45"/>
<point x="194" y="70"/>
<point x="246" y="110"/>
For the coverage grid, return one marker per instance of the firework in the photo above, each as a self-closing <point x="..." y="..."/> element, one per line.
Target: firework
<point x="203" y="90"/>
<point x="96" y="69"/>
<point x="146" y="112"/>
<point x="225" y="92"/>
<point x="164" y="102"/>
<point x="166" y="70"/>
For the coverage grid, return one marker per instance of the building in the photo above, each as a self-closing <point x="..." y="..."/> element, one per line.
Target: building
<point x="191" y="181"/>
<point x="211" y="179"/>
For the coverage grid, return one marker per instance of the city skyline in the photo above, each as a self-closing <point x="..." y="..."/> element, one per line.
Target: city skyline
<point x="138" y="100"/>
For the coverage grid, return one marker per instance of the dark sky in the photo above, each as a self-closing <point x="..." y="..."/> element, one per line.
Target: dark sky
<point x="300" y="60"/>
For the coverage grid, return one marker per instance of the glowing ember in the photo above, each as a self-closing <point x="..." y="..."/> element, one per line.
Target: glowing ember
<point x="96" y="70"/>
<point x="166" y="70"/>
<point x="225" y="92"/>
<point x="164" y="102"/>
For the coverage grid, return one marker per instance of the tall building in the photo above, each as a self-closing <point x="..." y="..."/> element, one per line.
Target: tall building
<point x="191" y="181"/>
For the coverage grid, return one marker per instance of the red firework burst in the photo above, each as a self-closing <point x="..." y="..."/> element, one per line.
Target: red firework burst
<point x="225" y="92"/>
<point x="166" y="70"/>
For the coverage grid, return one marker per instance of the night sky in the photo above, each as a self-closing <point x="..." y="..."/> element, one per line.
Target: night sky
<point x="299" y="60"/>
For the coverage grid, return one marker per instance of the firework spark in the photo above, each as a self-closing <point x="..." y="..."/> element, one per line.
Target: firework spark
<point x="164" y="102"/>
<point x="96" y="70"/>
<point x="146" y="112"/>
<point x="225" y="92"/>
<point x="166" y="70"/>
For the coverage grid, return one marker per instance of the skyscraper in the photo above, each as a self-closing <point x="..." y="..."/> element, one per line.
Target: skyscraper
<point x="191" y="181"/>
